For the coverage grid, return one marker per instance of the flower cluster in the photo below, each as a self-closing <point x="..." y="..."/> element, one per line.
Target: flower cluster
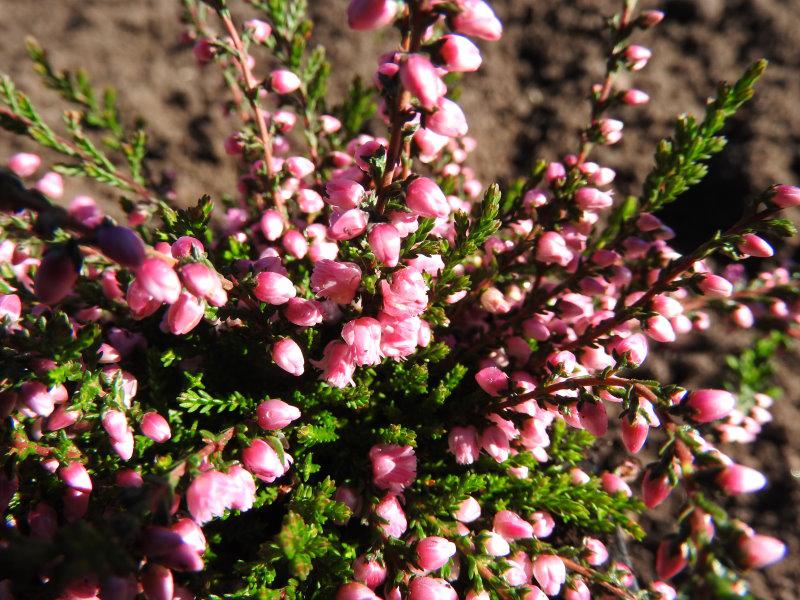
<point x="372" y="376"/>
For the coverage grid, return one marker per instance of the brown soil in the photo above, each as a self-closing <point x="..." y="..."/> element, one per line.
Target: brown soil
<point x="526" y="102"/>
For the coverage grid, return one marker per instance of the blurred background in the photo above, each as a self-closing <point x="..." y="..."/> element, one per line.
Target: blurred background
<point x="527" y="102"/>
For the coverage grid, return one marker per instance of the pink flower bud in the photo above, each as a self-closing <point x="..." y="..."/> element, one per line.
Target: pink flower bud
<point x="51" y="184"/>
<point x="385" y="242"/>
<point x="477" y="19"/>
<point x="637" y="56"/>
<point x="433" y="552"/>
<point x="393" y="520"/>
<point x="157" y="583"/>
<point x="309" y="201"/>
<point x="468" y="510"/>
<point x="550" y="573"/>
<point x="709" y="405"/>
<point x="651" y="18"/>
<point x="511" y="526"/>
<point x="299" y="166"/>
<point x="295" y="243"/>
<point x="363" y="335"/>
<point x="428" y="588"/>
<point x="663" y="591"/>
<point x="595" y="552"/>
<point x="738" y="479"/>
<point x="393" y="467"/>
<point x="447" y="119"/>
<point x="493" y="381"/>
<point x="634" y="432"/>
<point x="419" y="77"/>
<point x="458" y="54"/>
<point x="24" y="164"/>
<point x="337" y="281"/>
<point x="208" y="496"/>
<point x="261" y="459"/>
<point x="284" y="81"/>
<point x="613" y="484"/>
<point x="426" y="199"/>
<point x="75" y="476"/>
<point x="635" y="98"/>
<point x="543" y="524"/>
<point x="56" y="275"/>
<point x="276" y="414"/>
<point x="304" y="313"/>
<point x="337" y="364"/>
<point x="288" y="356"/>
<point x="552" y="249"/>
<point x="496" y="443"/>
<point x="155" y="427"/>
<point x="345" y="225"/>
<point x="344" y="193"/>
<point x="273" y="288"/>
<point x="670" y="559"/>
<point x="120" y="244"/>
<point x="589" y="198"/>
<point x="355" y="591"/>
<point x="10" y="307"/>
<point x="577" y="590"/>
<point x="199" y="279"/>
<point x="271" y="224"/>
<point x="36" y="397"/>
<point x="369" y="571"/>
<point x="656" y="487"/>
<point x="786" y="196"/>
<point x="659" y="329"/>
<point x="203" y="51"/>
<point x="716" y="286"/>
<point x="159" y="280"/>
<point x="593" y="418"/>
<point x="259" y="31"/>
<point x="185" y="314"/>
<point x="495" y="544"/>
<point x="752" y="245"/>
<point x="463" y="444"/>
<point x="370" y="14"/>
<point x="759" y="551"/>
<point x="115" y="423"/>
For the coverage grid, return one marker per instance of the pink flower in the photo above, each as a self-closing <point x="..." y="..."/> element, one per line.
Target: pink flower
<point x="284" y="81"/>
<point x="463" y="444"/>
<point x="659" y="329"/>
<point x="635" y="346"/>
<point x="363" y="336"/>
<point x="670" y="559"/>
<point x="426" y="199"/>
<point x="429" y="588"/>
<point x="75" y="476"/>
<point x="337" y="281"/>
<point x="552" y="249"/>
<point x="155" y="427"/>
<point x="399" y="337"/>
<point x="120" y="244"/>
<point x="271" y="224"/>
<point x="337" y="364"/>
<point x="208" y="495"/>
<point x="393" y="521"/>
<point x="448" y="119"/>
<point x="419" y="77"/>
<point x="511" y="526"/>
<point x="655" y="487"/>
<point x="595" y="551"/>
<point x="496" y="443"/>
<point x="56" y="275"/>
<point x="550" y="573"/>
<point x="738" y="479"/>
<point x="634" y="432"/>
<point x="115" y="423"/>
<point x="393" y="467"/>
<point x="355" y="591"/>
<point x="635" y="97"/>
<point x="200" y="280"/>
<point x="468" y="510"/>
<point x="345" y="225"/>
<point x="716" y="286"/>
<point x="786" y="196"/>
<point x="185" y="314"/>
<point x="705" y="406"/>
<point x="273" y="288"/>
<point x="759" y="551"/>
<point x="259" y="30"/>
<point x="141" y="303"/>
<point x="51" y="184"/>
<point x="344" y="193"/>
<point x="477" y="19"/>
<point x="495" y="544"/>
<point x="24" y="164"/>
<point x="593" y="418"/>
<point x="752" y="245"/>
<point x="433" y="552"/>
<point x="589" y="198"/>
<point x="493" y="381"/>
<point x="458" y="54"/>
<point x="261" y="459"/>
<point x="543" y="524"/>
<point x="369" y="571"/>
<point x="370" y="14"/>
<point x="384" y="241"/>
<point x="159" y="280"/>
<point x="157" y="583"/>
<point x="304" y="313"/>
<point x="288" y="356"/>
<point x="276" y="414"/>
<point x="407" y="294"/>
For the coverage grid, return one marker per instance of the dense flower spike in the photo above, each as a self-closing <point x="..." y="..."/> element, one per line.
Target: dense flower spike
<point x="372" y="375"/>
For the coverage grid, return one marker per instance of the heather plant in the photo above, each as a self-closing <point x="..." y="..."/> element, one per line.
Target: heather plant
<point x="363" y="373"/>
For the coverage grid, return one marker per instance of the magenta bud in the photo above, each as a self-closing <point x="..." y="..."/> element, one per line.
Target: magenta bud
<point x="276" y="414"/>
<point x="655" y="487"/>
<point x="634" y="432"/>
<point x="37" y="398"/>
<point x="738" y="479"/>
<point x="716" y="286"/>
<point x="589" y="198"/>
<point x="271" y="224"/>
<point x="75" y="476"/>
<point x="155" y="427"/>
<point x="353" y="590"/>
<point x="157" y="583"/>
<point x="706" y="405"/>
<point x="759" y="551"/>
<point x="116" y="424"/>
<point x="370" y="14"/>
<point x="752" y="245"/>
<point x="288" y="356"/>
<point x="24" y="164"/>
<point x="552" y="249"/>
<point x="659" y="329"/>
<point x="344" y="193"/>
<point x="199" y="279"/>
<point x="458" y="54"/>
<point x="635" y="98"/>
<point x="593" y="418"/>
<point x="284" y="81"/>
<point x="259" y="30"/>
<point x="670" y="559"/>
<point x="650" y="18"/>
<point x="120" y="244"/>
<point x="369" y="571"/>
<point x="185" y="314"/>
<point x="393" y="521"/>
<point x="393" y="467"/>
<point x="51" y="184"/>
<point x="476" y="18"/>
<point x="550" y="573"/>
<point x="786" y="196"/>
<point x="468" y="510"/>
<point x="304" y="313"/>
<point x="159" y="280"/>
<point x="463" y="444"/>
<point x="426" y="199"/>
<point x="448" y="120"/>
<point x="429" y="588"/>
<point x="56" y="275"/>
<point x="433" y="552"/>
<point x="385" y="242"/>
<point x="273" y="288"/>
<point x="511" y="526"/>
<point x="493" y="381"/>
<point x="419" y="77"/>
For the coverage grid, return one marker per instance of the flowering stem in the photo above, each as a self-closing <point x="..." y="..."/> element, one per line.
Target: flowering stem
<point x="595" y="576"/>
<point x="571" y="384"/>
<point x="251" y="92"/>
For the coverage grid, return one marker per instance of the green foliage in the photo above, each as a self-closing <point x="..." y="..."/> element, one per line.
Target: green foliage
<point x="752" y="370"/>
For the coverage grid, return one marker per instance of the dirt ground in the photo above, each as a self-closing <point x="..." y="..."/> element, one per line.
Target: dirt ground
<point x="526" y="102"/>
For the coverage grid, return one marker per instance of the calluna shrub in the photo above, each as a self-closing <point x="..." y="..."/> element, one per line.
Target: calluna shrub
<point x="369" y="375"/>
